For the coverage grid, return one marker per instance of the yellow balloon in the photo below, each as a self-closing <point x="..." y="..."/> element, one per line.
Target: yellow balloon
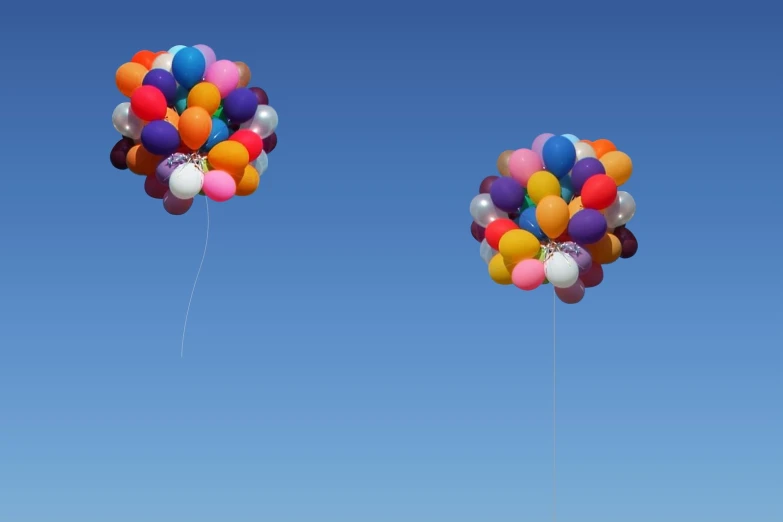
<point x="618" y="166"/>
<point x="248" y="183"/>
<point x="575" y="206"/>
<point x="542" y="184"/>
<point x="205" y="95"/>
<point x="552" y="216"/>
<point x="498" y="270"/>
<point x="230" y="156"/>
<point x="606" y="250"/>
<point x="517" y="244"/>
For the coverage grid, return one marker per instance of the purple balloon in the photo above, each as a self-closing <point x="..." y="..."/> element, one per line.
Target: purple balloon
<point x="176" y="206"/>
<point x="587" y="226"/>
<point x="240" y="105"/>
<point x="270" y="142"/>
<point x="582" y="257"/>
<point x="573" y="294"/>
<point x="477" y="231"/>
<point x="119" y="153"/>
<point x="160" y="137"/>
<point x="166" y="168"/>
<point x="261" y="95"/>
<point x="486" y="184"/>
<point x="584" y="169"/>
<point x="507" y="194"/>
<point x="164" y="81"/>
<point x="628" y="242"/>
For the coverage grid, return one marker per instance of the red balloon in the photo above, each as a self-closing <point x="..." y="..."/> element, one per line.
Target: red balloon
<point x="148" y="103"/>
<point x="496" y="229"/>
<point x="252" y="142"/>
<point x="599" y="192"/>
<point x="593" y="276"/>
<point x="154" y="188"/>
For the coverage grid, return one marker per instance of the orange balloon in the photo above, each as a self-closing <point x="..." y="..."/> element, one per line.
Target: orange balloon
<point x="602" y="146"/>
<point x="195" y="124"/>
<point x="575" y="206"/>
<point x="172" y="117"/>
<point x="230" y="156"/>
<point x="552" y="215"/>
<point x="129" y="77"/>
<point x="205" y="95"/>
<point x="244" y="74"/>
<point x="618" y="166"/>
<point x="248" y="183"/>
<point x="606" y="250"/>
<point x="141" y="161"/>
<point x="144" y="58"/>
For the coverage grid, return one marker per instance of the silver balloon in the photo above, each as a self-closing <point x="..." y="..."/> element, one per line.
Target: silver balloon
<point x="486" y="252"/>
<point x="263" y="123"/>
<point x="261" y="163"/>
<point x="126" y="123"/>
<point x="483" y="211"/>
<point x="621" y="211"/>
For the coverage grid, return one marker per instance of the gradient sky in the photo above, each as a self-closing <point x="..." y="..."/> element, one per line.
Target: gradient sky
<point x="348" y="358"/>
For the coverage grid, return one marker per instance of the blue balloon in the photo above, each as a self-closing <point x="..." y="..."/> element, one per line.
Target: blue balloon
<point x="181" y="99"/>
<point x="571" y="137"/>
<point x="188" y="67"/>
<point x="528" y="221"/>
<point x="219" y="133"/>
<point x="559" y="155"/>
<point x="566" y="188"/>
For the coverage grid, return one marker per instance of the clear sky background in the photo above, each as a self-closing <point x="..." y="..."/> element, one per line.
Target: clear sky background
<point x="348" y="358"/>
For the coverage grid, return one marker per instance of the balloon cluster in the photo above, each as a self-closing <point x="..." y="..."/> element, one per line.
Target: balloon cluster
<point x="192" y="126"/>
<point x="555" y="215"/>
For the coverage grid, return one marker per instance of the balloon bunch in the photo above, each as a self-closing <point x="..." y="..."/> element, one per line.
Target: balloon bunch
<point x="555" y="215"/>
<point x="192" y="126"/>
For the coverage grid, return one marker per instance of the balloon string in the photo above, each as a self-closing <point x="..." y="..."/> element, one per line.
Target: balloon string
<point x="554" y="406"/>
<point x="193" y="290"/>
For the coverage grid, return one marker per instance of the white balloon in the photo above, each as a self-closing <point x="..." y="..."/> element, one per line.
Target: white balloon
<point x="621" y="211"/>
<point x="486" y="252"/>
<point x="483" y="210"/>
<point x="584" y="150"/>
<point x="186" y="181"/>
<point x="163" y="62"/>
<point x="261" y="163"/>
<point x="263" y="123"/>
<point x="561" y="270"/>
<point x="126" y="123"/>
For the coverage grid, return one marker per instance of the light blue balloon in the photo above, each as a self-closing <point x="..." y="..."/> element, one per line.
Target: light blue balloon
<point x="188" y="66"/>
<point x="528" y="221"/>
<point x="174" y="50"/>
<point x="219" y="133"/>
<point x="566" y="188"/>
<point x="571" y="137"/>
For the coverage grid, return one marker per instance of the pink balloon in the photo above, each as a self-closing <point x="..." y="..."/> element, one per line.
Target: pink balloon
<point x="223" y="74"/>
<point x="573" y="294"/>
<point x="528" y="274"/>
<point x="593" y="276"/>
<point x="219" y="185"/>
<point x="538" y="143"/>
<point x="209" y="54"/>
<point x="522" y="164"/>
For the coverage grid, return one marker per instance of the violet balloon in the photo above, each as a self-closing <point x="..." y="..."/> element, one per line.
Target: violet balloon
<point x="507" y="194"/>
<point x="486" y="184"/>
<point x="240" y="105"/>
<point x="164" y="81"/>
<point x="583" y="170"/>
<point x="477" y="231"/>
<point x="261" y="96"/>
<point x="581" y="255"/>
<point x="167" y="166"/>
<point x="160" y="137"/>
<point x="587" y="226"/>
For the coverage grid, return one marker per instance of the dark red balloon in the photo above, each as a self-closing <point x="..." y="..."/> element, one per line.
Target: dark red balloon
<point x="593" y="276"/>
<point x="486" y="184"/>
<point x="261" y="95"/>
<point x="119" y="152"/>
<point x="154" y="188"/>
<point x="496" y="229"/>
<point x="477" y="231"/>
<point x="270" y="142"/>
<point x="599" y="192"/>
<point x="628" y="242"/>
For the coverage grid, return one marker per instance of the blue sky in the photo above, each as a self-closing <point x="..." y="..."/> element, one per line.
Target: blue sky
<point x="348" y="358"/>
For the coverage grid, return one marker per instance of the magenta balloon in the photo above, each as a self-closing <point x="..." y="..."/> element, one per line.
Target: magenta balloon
<point x="176" y="206"/>
<point x="154" y="188"/>
<point x="593" y="276"/>
<point x="573" y="294"/>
